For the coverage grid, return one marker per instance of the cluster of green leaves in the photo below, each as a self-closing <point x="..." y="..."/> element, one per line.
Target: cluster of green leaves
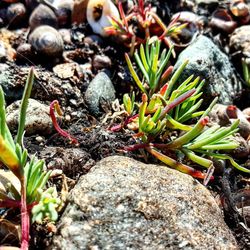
<point x="47" y="206"/>
<point x="29" y="170"/>
<point x="168" y="105"/>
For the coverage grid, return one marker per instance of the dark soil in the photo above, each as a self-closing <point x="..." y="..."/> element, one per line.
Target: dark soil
<point x="95" y="139"/>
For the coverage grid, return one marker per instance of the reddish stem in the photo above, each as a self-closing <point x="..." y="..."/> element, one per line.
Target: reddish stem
<point x="55" y="106"/>
<point x="25" y="218"/>
<point x="123" y="17"/>
<point x="118" y="127"/>
<point x="141" y="8"/>
<point x="176" y="102"/>
<point x="10" y="203"/>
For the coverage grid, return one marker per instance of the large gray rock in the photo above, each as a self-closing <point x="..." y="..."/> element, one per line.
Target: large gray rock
<point x="125" y="204"/>
<point x="99" y="90"/>
<point x="208" y="62"/>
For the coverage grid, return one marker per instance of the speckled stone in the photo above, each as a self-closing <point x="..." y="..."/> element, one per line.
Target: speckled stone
<point x="125" y="204"/>
<point x="240" y="40"/>
<point x="38" y="120"/>
<point x="208" y="62"/>
<point x="100" y="90"/>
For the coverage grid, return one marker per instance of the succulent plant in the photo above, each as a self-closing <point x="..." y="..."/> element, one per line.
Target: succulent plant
<point x="29" y="170"/>
<point x="148" y="22"/>
<point x="165" y="115"/>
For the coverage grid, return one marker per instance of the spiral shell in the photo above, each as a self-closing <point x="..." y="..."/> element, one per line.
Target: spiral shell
<point x="47" y="41"/>
<point x="98" y="12"/>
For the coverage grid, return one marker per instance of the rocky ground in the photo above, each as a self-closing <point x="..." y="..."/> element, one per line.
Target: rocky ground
<point x="114" y="200"/>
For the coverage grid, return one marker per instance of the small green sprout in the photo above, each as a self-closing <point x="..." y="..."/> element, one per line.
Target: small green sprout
<point x="246" y="70"/>
<point x="129" y="103"/>
<point x="46" y="208"/>
<point x="29" y="170"/>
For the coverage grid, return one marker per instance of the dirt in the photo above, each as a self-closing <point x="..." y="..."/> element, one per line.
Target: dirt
<point x="96" y="141"/>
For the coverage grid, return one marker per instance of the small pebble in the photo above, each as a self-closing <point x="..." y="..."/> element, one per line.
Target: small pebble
<point x="66" y="36"/>
<point x="101" y="62"/>
<point x="39" y="139"/>
<point x="67" y="118"/>
<point x="240" y="40"/>
<point x="73" y="102"/>
<point x="93" y="39"/>
<point x="24" y="51"/>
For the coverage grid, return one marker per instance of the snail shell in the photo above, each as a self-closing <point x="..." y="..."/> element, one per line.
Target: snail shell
<point x="98" y="12"/>
<point x="42" y="15"/>
<point x="47" y="41"/>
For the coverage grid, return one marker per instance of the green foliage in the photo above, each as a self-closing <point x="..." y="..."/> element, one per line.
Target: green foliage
<point x="46" y="208"/>
<point x="168" y="105"/>
<point x="246" y="71"/>
<point x="29" y="170"/>
<point x="147" y="21"/>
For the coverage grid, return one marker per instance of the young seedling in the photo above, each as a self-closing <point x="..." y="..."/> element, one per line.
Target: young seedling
<point x="28" y="170"/>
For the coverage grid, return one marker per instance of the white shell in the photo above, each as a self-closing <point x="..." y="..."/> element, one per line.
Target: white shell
<point x="108" y="9"/>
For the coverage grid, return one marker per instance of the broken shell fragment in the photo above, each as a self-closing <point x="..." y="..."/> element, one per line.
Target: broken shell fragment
<point x="98" y="14"/>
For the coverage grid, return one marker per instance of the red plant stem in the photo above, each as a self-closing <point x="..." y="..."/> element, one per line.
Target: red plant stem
<point x="176" y="102"/>
<point x="123" y="17"/>
<point x="118" y="127"/>
<point x="25" y="218"/>
<point x="177" y="165"/>
<point x="141" y="8"/>
<point x="55" y="105"/>
<point x="16" y="204"/>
